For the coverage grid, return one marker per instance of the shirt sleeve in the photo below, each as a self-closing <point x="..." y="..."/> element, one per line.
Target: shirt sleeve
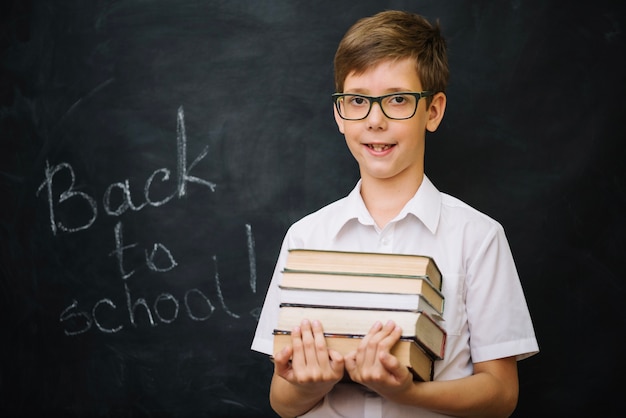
<point x="263" y="338"/>
<point x="499" y="319"/>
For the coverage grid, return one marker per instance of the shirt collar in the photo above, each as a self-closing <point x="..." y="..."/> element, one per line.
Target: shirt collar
<point x="425" y="206"/>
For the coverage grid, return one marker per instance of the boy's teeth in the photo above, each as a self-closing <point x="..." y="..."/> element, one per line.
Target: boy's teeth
<point x="377" y="147"/>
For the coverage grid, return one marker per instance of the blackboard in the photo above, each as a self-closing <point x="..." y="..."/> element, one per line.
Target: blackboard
<point x="153" y="154"/>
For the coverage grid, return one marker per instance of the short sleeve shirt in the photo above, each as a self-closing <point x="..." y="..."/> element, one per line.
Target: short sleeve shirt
<point x="484" y="299"/>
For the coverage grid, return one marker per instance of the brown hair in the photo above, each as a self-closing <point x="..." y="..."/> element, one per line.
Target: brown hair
<point x="394" y="35"/>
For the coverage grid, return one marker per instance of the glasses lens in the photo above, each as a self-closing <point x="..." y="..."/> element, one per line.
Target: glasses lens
<point x="399" y="106"/>
<point x="353" y="107"/>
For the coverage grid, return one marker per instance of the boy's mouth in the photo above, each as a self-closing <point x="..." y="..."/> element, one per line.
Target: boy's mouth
<point x="379" y="147"/>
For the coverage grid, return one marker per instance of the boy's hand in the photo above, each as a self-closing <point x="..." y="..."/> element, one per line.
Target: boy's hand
<point x="374" y="366"/>
<point x="313" y="367"/>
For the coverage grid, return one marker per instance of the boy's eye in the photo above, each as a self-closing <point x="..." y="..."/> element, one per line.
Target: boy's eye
<point x="358" y="101"/>
<point x="397" y="100"/>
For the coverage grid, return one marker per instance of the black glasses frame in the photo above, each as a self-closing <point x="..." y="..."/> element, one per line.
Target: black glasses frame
<point x="378" y="99"/>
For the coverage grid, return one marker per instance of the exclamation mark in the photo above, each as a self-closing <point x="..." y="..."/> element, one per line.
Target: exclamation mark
<point x="251" y="258"/>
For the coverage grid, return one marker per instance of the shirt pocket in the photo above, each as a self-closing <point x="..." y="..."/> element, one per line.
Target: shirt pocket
<point x="454" y="314"/>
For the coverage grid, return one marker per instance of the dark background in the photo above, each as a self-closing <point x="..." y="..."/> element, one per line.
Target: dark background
<point x="533" y="136"/>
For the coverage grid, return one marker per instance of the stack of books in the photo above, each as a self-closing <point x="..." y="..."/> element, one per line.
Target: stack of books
<point x="349" y="291"/>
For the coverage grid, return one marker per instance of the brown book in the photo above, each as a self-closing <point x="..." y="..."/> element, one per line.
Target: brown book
<point x="407" y="351"/>
<point x="357" y="322"/>
<point x="364" y="263"/>
<point x="401" y="292"/>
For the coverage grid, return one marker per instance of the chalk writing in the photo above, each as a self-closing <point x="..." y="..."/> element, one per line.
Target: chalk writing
<point x="105" y="315"/>
<point x="79" y="322"/>
<point x="119" y="253"/>
<point x="219" y="290"/>
<point x="183" y="177"/>
<point x="68" y="194"/>
<point x="183" y="171"/>
<point x="251" y="258"/>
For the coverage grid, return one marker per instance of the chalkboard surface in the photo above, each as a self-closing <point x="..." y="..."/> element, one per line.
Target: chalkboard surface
<point x="153" y="154"/>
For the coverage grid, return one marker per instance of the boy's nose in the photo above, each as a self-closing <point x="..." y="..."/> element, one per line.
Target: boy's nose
<point x="376" y="118"/>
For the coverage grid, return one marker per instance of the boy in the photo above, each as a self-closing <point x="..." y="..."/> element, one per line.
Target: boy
<point x="391" y="70"/>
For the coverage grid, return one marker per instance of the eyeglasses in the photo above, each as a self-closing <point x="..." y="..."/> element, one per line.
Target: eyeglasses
<point x="398" y="106"/>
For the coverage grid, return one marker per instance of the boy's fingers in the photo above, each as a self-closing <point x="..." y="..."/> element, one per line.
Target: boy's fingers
<point x="308" y="341"/>
<point x="282" y="363"/>
<point x="305" y="328"/>
<point x="297" y="349"/>
<point x="367" y="351"/>
<point x="393" y="366"/>
<point x="389" y="340"/>
<point x="350" y="363"/>
<point x="336" y="357"/>
<point x="390" y="362"/>
<point x="389" y="328"/>
<point x="282" y="357"/>
<point x="320" y="343"/>
<point x="337" y="362"/>
<point x="375" y="329"/>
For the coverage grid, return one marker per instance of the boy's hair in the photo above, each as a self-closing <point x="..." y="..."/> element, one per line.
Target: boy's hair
<point x="394" y="35"/>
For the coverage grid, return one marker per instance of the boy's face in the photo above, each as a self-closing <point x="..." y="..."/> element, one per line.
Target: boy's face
<point x="385" y="148"/>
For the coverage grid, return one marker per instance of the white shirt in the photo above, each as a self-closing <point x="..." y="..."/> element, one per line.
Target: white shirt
<point x="482" y="290"/>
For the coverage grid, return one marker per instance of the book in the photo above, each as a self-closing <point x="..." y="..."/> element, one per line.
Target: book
<point x="407" y="351"/>
<point x="357" y="322"/>
<point x="364" y="262"/>
<point x="389" y="290"/>
<point x="367" y="300"/>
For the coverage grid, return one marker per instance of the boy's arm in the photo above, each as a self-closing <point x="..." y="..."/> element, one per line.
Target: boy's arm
<point x="304" y="372"/>
<point x="492" y="391"/>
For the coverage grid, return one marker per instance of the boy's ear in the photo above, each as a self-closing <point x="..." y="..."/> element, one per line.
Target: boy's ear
<point x="435" y="111"/>
<point x="338" y="119"/>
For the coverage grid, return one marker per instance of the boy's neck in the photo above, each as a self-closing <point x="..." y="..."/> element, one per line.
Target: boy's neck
<point x="385" y="198"/>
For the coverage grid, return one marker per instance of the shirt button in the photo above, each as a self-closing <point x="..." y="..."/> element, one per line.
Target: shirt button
<point x="385" y="241"/>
